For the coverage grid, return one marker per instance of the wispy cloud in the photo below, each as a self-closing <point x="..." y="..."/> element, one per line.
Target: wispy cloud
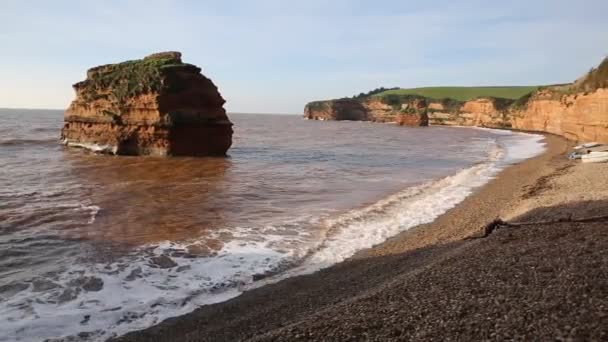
<point x="271" y="55"/>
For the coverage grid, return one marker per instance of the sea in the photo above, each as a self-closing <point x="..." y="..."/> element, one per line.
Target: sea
<point x="93" y="246"/>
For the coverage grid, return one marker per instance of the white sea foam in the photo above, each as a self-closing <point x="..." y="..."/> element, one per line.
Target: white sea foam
<point x="92" y="147"/>
<point x="137" y="294"/>
<point x="520" y="146"/>
<point x="366" y="227"/>
<point x="92" y="209"/>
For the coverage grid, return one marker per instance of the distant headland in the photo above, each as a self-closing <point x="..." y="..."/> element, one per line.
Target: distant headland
<point x="576" y="110"/>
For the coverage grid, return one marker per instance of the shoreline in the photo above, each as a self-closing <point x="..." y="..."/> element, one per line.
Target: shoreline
<point x="487" y="203"/>
<point x="294" y="301"/>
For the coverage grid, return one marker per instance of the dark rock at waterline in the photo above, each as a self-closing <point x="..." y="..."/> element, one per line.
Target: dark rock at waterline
<point x="68" y="295"/>
<point x="86" y="319"/>
<point x="183" y="268"/>
<point x="135" y="273"/>
<point x="89" y="284"/>
<point x="162" y="261"/>
<point x="13" y="288"/>
<point x="40" y="285"/>
<point x="81" y="336"/>
<point x="93" y="284"/>
<point x="259" y="276"/>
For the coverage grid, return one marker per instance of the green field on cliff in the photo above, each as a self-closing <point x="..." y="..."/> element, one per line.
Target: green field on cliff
<point x="464" y="93"/>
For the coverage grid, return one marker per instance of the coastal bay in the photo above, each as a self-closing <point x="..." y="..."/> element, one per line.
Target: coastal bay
<point x="303" y="171"/>
<point x="445" y="278"/>
<point x="121" y="244"/>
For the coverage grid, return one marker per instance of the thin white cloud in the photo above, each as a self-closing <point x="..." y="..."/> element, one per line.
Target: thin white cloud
<point x="274" y="56"/>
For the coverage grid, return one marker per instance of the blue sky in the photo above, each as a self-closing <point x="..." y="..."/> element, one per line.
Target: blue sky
<point x="273" y="56"/>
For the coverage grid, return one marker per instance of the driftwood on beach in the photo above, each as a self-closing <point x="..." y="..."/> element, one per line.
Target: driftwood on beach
<point x="499" y="223"/>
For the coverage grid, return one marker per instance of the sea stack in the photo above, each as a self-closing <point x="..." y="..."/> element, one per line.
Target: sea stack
<point x="157" y="105"/>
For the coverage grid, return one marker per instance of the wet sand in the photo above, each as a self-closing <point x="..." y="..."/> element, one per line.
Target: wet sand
<point x="447" y="280"/>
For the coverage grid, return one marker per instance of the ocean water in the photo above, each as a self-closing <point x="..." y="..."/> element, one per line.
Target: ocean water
<point x="93" y="246"/>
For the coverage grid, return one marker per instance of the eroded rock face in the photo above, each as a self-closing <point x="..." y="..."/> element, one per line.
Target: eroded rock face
<point x="405" y="112"/>
<point x="342" y="109"/>
<point x="154" y="106"/>
<point x="580" y="116"/>
<point x="576" y="111"/>
<point x="411" y="112"/>
<point x="482" y="112"/>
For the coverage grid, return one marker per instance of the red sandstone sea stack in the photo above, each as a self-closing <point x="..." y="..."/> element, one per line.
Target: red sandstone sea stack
<point x="154" y="106"/>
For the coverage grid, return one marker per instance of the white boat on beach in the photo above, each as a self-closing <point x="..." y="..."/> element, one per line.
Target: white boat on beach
<point x="595" y="157"/>
<point x="587" y="145"/>
<point x="585" y="149"/>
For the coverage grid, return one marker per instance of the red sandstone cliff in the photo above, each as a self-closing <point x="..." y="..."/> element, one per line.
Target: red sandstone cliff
<point x="153" y="106"/>
<point x="341" y="109"/>
<point x="482" y="112"/>
<point x="409" y="112"/>
<point x="577" y="111"/>
<point x="578" y="116"/>
<point x="582" y="116"/>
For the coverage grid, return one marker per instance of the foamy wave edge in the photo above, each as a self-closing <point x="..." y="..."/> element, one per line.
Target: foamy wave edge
<point x="103" y="149"/>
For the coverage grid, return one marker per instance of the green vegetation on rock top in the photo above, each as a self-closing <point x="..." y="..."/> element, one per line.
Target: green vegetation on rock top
<point x="317" y="105"/>
<point x="373" y="92"/>
<point x="464" y="93"/>
<point x="396" y="100"/>
<point x="130" y="78"/>
<point x="596" y="78"/>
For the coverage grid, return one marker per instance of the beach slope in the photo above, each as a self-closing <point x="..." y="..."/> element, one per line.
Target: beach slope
<point x="456" y="278"/>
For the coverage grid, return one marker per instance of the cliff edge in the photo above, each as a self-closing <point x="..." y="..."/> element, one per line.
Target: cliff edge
<point x="403" y="110"/>
<point x="577" y="111"/>
<point x="157" y="105"/>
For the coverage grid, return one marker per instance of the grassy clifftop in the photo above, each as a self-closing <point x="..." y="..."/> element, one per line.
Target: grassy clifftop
<point x="504" y="98"/>
<point x="464" y="93"/>
<point x="132" y="78"/>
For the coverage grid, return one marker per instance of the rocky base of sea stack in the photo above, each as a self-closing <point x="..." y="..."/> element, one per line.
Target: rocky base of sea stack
<point x="153" y="106"/>
<point x="187" y="140"/>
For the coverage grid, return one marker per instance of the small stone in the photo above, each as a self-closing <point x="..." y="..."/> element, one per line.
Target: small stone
<point x="258" y="276"/>
<point x="178" y="254"/>
<point x="68" y="295"/>
<point x="84" y="335"/>
<point x="9" y="290"/>
<point x="78" y="282"/>
<point x="40" y="285"/>
<point x="163" y="261"/>
<point x="200" y="250"/>
<point x="87" y="283"/>
<point x="112" y="309"/>
<point x="93" y="284"/>
<point x="135" y="273"/>
<point x="183" y="268"/>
